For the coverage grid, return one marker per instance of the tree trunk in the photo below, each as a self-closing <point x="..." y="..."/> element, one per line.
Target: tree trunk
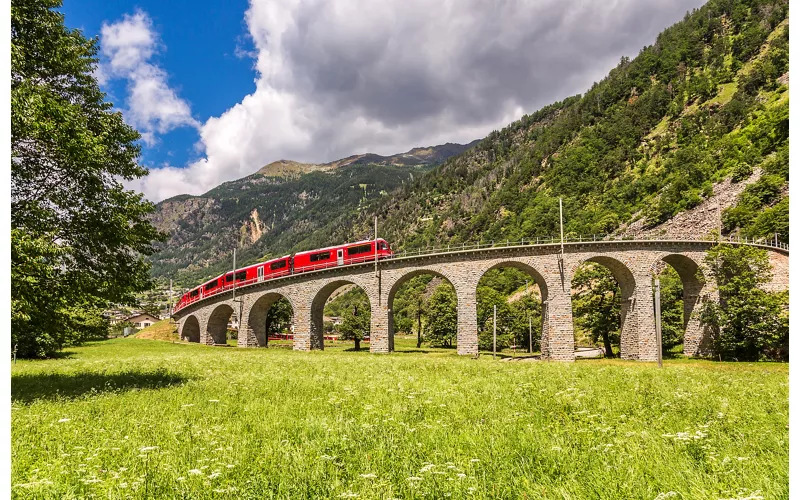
<point x="358" y="345"/>
<point x="606" y="341"/>
<point x="419" y="325"/>
<point x="607" y="345"/>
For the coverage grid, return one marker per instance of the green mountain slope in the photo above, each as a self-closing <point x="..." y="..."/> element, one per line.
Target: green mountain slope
<point x="698" y="119"/>
<point x="284" y="206"/>
<point x="707" y="102"/>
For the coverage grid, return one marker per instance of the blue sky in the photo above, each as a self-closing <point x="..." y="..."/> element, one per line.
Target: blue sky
<point x="195" y="37"/>
<point x="219" y="89"/>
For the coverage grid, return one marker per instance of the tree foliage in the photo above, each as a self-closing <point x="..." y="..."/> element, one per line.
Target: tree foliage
<point x="748" y="323"/>
<point x="596" y="305"/>
<point x="442" y="325"/>
<point x="77" y="235"/>
<point x="356" y="320"/>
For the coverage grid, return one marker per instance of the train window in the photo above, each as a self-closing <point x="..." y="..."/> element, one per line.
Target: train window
<point x="229" y="278"/>
<point x="383" y="245"/>
<point x="194" y="293"/>
<point x="241" y="275"/>
<point x="278" y="265"/>
<point x="320" y="256"/>
<point x="211" y="285"/>
<point x="359" y="249"/>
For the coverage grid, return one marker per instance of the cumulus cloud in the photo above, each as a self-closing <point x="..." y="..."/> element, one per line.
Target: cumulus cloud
<point x="151" y="105"/>
<point x="340" y="77"/>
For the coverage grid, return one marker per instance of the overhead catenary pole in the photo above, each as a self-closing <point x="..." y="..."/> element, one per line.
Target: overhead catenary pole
<point x="494" y="334"/>
<point x="234" y="274"/>
<point x="530" y="322"/>
<point x="561" y="224"/>
<point x="657" y="298"/>
<point x="376" y="246"/>
<point x="170" y="297"/>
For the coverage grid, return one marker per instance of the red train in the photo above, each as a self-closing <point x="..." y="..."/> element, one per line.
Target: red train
<point x="349" y="253"/>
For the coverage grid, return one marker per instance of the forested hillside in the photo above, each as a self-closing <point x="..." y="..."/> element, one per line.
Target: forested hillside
<point x="706" y="102"/>
<point x="284" y="206"/>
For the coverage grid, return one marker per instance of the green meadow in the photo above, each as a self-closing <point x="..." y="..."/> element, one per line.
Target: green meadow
<point x="132" y="418"/>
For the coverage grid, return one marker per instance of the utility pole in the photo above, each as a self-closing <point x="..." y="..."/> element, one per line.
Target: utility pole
<point x="530" y="338"/>
<point x="561" y="224"/>
<point x="376" y="246"/>
<point x="530" y="334"/>
<point x="657" y="298"/>
<point x="170" y="297"/>
<point x="561" y="270"/>
<point x="239" y="316"/>
<point x="494" y="335"/>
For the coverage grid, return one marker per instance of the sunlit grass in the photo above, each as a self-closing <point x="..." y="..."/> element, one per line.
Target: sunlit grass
<point x="135" y="418"/>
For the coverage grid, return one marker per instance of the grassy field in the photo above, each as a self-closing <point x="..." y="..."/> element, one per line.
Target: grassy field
<point x="132" y="418"/>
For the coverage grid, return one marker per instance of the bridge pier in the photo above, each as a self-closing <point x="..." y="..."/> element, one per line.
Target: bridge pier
<point x="558" y="336"/>
<point x="467" y="311"/>
<point x="303" y="329"/>
<point x="379" y="328"/>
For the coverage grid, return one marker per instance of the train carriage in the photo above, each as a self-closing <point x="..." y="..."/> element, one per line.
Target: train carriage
<point x="340" y="255"/>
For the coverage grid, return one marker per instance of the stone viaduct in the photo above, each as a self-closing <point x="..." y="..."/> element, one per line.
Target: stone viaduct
<point x="632" y="262"/>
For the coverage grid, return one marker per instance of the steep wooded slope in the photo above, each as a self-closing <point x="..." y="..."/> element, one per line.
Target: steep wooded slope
<point x="707" y="102"/>
<point x="286" y="205"/>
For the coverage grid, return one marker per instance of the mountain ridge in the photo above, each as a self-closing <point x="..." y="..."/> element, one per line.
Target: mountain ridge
<point x="415" y="156"/>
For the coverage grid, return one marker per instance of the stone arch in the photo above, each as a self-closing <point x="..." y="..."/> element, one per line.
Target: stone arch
<point x="318" y="306"/>
<point x="399" y="283"/>
<point x="217" y="326"/>
<point x="257" y="316"/>
<point x="690" y="273"/>
<point x="190" y="330"/>
<point x="537" y="278"/>
<point x="522" y="266"/>
<point x="629" y="327"/>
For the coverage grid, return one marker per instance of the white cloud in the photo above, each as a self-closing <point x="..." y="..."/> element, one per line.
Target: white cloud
<point x="151" y="105"/>
<point x="342" y="77"/>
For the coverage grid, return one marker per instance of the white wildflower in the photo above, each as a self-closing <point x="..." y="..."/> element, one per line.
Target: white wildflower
<point x="195" y="472"/>
<point x="368" y="476"/>
<point x="61" y="421"/>
<point x="148" y="448"/>
<point x="664" y="496"/>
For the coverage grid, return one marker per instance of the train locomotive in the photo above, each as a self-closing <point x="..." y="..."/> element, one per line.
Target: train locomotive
<point x="311" y="260"/>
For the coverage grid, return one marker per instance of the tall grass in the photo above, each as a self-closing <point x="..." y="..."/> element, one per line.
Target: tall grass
<point x="135" y="418"/>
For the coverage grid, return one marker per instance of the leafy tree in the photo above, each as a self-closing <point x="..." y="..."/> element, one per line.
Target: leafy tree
<point x="672" y="321"/>
<point x="748" y="323"/>
<point x="279" y="316"/>
<point x="596" y="305"/>
<point x="355" y="324"/>
<point x="442" y="317"/>
<point x="77" y="235"/>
